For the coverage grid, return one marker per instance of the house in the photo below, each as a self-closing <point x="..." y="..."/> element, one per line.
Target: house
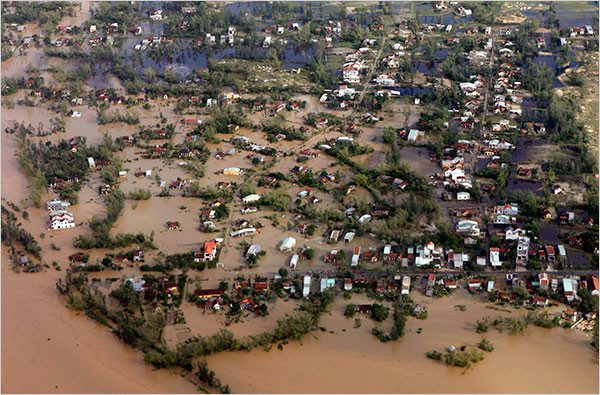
<point x="207" y="253"/>
<point x="449" y="283"/>
<point x="252" y="198"/>
<point x="261" y="286"/>
<point x="209" y="293"/>
<point x="522" y="250"/>
<point x="540" y="301"/>
<point x="428" y="255"/>
<point x="355" y="256"/>
<point x="334" y="235"/>
<point x="171" y="225"/>
<point x="550" y="253"/>
<point x="593" y="285"/>
<point x="91" y="163"/>
<point x="232" y="171"/>
<point x="306" y="286"/>
<point x="544" y="281"/>
<point x="495" y="257"/>
<point x="463" y="196"/>
<point x="474" y="284"/>
<point x="61" y="219"/>
<point x="349" y="236"/>
<point x="327" y="283"/>
<point x="287" y="244"/>
<point x="568" y="289"/>
<point x="137" y="283"/>
<point x="243" y="232"/>
<point x="57" y="205"/>
<point x="347" y="284"/>
<point x="405" y="285"/>
<point x="138" y="255"/>
<point x="414" y="135"/>
<point x="468" y="227"/>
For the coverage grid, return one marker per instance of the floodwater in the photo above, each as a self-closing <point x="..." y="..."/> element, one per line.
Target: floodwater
<point x="67" y="352"/>
<point x="353" y="361"/>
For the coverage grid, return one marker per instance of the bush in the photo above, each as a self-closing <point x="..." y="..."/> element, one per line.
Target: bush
<point x="462" y="359"/>
<point x="350" y="310"/>
<point x="435" y="355"/>
<point x="485" y="345"/>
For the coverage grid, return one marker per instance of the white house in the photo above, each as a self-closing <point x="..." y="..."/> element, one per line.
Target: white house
<point x="252" y="198"/>
<point x="287" y="244"/>
<point x="495" y="257"/>
<point x="91" y="162"/>
<point x="463" y="196"/>
<point x="306" y="286"/>
<point x="61" y="219"/>
<point x="294" y="261"/>
<point x="468" y="227"/>
<point x="254" y="249"/>
<point x="57" y="205"/>
<point x="243" y="232"/>
<point x="327" y="283"/>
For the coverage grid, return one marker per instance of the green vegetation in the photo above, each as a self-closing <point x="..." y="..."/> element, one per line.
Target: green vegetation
<point x="13" y="232"/>
<point x="379" y="312"/>
<point x="462" y="358"/>
<point x="130" y="118"/>
<point x="139" y="194"/>
<point x="485" y="345"/>
<point x="208" y="376"/>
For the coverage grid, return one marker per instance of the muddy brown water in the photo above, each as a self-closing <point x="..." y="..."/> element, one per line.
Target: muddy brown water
<point x="353" y="361"/>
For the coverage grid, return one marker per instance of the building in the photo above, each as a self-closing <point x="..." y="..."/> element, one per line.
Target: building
<point x="254" y="249"/>
<point x="463" y="196"/>
<point x="253" y="198"/>
<point x="405" y="285"/>
<point x="544" y="281"/>
<point x="209" y="293"/>
<point x="287" y="244"/>
<point x="243" y="232"/>
<point x="355" y="256"/>
<point x="495" y="257"/>
<point x="522" y="250"/>
<point x="568" y="289"/>
<point x="468" y="227"/>
<point x="207" y="253"/>
<point x="232" y="171"/>
<point x="306" y="286"/>
<point x="57" y="205"/>
<point x="61" y="219"/>
<point x="327" y="283"/>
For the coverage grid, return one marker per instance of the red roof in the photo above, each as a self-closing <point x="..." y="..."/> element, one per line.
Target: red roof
<point x="595" y="282"/>
<point x="209" y="292"/>
<point x="209" y="247"/>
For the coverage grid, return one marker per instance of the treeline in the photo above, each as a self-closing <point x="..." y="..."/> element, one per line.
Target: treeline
<point x="130" y="118"/>
<point x="13" y="232"/>
<point x="145" y="331"/>
<point x="40" y="12"/>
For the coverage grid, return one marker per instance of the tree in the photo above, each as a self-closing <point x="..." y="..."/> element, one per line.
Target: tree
<point x="588" y="303"/>
<point x="379" y="312"/>
<point x="283" y="272"/>
<point x="485" y="345"/>
<point x="350" y="310"/>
